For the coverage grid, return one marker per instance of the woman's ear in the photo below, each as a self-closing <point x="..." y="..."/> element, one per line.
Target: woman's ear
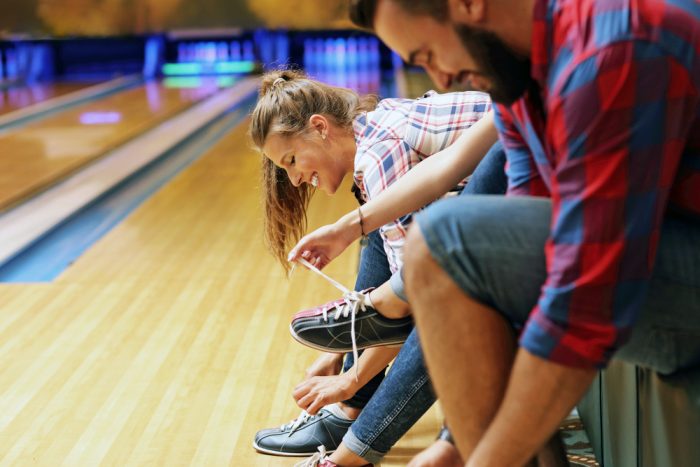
<point x="319" y="123"/>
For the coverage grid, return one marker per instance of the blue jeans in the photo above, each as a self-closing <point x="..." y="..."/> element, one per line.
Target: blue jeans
<point x="488" y="178"/>
<point x="374" y="271"/>
<point x="406" y="394"/>
<point x="493" y="248"/>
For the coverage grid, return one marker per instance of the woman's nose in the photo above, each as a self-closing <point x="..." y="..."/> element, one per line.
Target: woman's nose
<point x="294" y="177"/>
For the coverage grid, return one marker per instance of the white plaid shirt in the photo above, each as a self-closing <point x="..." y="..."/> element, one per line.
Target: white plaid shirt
<point x="399" y="134"/>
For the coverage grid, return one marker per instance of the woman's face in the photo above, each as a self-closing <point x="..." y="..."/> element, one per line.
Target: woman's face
<point x="308" y="159"/>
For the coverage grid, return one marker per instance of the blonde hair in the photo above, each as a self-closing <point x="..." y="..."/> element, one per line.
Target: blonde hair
<point x="287" y="99"/>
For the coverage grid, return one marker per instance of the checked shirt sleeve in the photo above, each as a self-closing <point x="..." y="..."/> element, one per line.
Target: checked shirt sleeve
<point x="617" y="123"/>
<point x="380" y="165"/>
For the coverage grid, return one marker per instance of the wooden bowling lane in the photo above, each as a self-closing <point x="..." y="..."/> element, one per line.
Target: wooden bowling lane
<point x="167" y="343"/>
<point x="18" y="97"/>
<point x="41" y="153"/>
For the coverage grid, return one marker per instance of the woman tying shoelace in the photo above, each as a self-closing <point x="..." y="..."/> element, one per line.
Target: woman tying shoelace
<point x="311" y="136"/>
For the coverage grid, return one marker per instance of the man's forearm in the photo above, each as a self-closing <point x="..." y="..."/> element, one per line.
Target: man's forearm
<point x="539" y="395"/>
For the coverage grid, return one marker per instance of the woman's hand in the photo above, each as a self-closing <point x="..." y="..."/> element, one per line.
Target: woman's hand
<point x="328" y="364"/>
<point x="318" y="391"/>
<point x="326" y="243"/>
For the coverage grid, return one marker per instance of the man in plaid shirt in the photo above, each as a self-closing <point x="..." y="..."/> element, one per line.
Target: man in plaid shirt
<point x="596" y="250"/>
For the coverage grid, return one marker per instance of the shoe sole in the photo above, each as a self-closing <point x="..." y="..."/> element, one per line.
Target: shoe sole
<point x="343" y="350"/>
<point x="286" y="454"/>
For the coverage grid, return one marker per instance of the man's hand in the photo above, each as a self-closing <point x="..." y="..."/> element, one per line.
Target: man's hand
<point x="439" y="454"/>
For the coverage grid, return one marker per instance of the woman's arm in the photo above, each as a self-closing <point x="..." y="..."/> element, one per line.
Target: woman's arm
<point x="437" y="175"/>
<point x="316" y="392"/>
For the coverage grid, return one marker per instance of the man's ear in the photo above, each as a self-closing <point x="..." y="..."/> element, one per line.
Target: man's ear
<point x="468" y="12"/>
<point x="319" y="123"/>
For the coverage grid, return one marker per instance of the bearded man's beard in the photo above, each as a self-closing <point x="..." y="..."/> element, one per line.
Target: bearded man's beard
<point x="507" y="72"/>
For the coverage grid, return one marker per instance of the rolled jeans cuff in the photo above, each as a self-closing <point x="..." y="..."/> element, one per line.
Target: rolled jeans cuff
<point x="361" y="449"/>
<point x="397" y="286"/>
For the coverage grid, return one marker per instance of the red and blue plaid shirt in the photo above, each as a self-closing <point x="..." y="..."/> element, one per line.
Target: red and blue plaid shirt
<point x="615" y="143"/>
<point x="399" y="134"/>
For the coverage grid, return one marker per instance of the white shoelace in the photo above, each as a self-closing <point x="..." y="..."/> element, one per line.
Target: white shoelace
<point x="354" y="302"/>
<point x="314" y="460"/>
<point x="296" y="423"/>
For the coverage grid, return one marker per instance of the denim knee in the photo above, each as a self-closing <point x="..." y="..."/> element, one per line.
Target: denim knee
<point x="397" y="285"/>
<point x="492" y="247"/>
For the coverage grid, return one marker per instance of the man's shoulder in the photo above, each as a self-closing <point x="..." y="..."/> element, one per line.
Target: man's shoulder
<point x="591" y="37"/>
<point x="582" y="27"/>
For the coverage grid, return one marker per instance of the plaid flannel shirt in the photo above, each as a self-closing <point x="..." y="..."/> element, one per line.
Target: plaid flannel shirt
<point x="615" y="143"/>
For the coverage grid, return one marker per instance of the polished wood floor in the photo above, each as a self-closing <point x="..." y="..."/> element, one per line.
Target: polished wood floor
<point x="41" y="153"/>
<point x="167" y="343"/>
<point x="18" y="97"/>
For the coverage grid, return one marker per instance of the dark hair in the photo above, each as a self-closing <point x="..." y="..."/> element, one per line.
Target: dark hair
<point x="362" y="12"/>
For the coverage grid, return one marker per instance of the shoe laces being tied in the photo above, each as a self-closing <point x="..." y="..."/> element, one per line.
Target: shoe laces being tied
<point x="294" y="425"/>
<point x="353" y="303"/>
<point x="315" y="460"/>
